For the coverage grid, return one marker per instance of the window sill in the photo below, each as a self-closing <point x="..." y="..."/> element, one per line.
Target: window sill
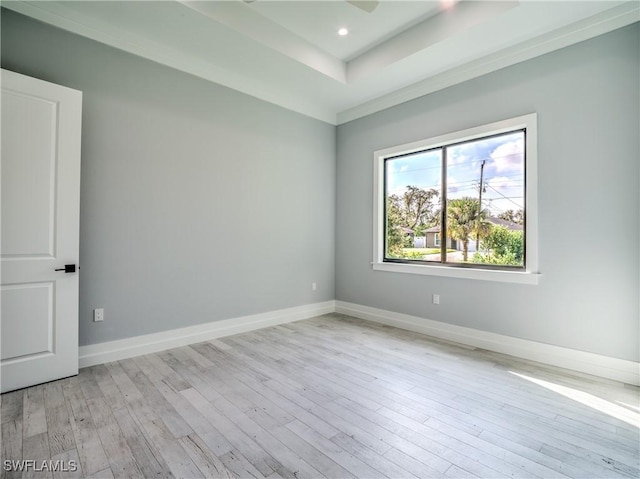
<point x="518" y="277"/>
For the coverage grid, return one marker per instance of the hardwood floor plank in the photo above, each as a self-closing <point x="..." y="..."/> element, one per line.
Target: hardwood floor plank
<point x="331" y="396"/>
<point x="208" y="463"/>
<point x="70" y="466"/>
<point x="454" y="472"/>
<point x="533" y="454"/>
<point x="244" y="443"/>
<point x="12" y="406"/>
<point x="279" y="403"/>
<point x="215" y="439"/>
<point x="603" y="469"/>
<point x="89" y="448"/>
<point x="240" y="466"/>
<point x="434" y="452"/>
<point x="156" y="401"/>
<point x="416" y="467"/>
<point x="134" y="400"/>
<point x="526" y="432"/>
<point x="202" y="361"/>
<point x="318" y="460"/>
<point x="185" y="409"/>
<point x="341" y="387"/>
<point x="494" y="457"/>
<point x="104" y="474"/>
<point x="236" y="386"/>
<point x="493" y="381"/>
<point x="172" y="378"/>
<point x="11" y="445"/>
<point x="175" y="456"/>
<point x="88" y="384"/>
<point x="220" y="344"/>
<point x="108" y="387"/>
<point x="580" y="436"/>
<point x="322" y="419"/>
<point x="330" y="449"/>
<point x="146" y="455"/>
<point x="36" y="448"/>
<point x="35" y="421"/>
<point x="288" y="463"/>
<point x="113" y="442"/>
<point x="191" y="376"/>
<point x="372" y="458"/>
<point x="61" y="437"/>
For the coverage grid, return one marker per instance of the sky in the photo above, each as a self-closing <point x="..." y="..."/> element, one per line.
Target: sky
<point x="503" y="171"/>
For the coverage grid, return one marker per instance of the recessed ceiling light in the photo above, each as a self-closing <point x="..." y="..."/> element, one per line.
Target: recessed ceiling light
<point x="343" y="31"/>
<point x="448" y="4"/>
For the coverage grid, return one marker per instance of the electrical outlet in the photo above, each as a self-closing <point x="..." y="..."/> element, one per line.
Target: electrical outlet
<point x="314" y="286"/>
<point x="98" y="314"/>
<point x="436" y="299"/>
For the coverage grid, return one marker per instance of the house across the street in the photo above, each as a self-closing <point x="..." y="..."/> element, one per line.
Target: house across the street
<point x="434" y="237"/>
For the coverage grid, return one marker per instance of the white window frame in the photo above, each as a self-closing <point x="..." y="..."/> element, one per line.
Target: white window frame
<point x="436" y="239"/>
<point x="530" y="274"/>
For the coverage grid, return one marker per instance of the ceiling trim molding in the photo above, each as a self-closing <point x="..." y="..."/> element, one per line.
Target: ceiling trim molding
<point x="64" y="18"/>
<point x="415" y="39"/>
<point x="241" y="18"/>
<point x="599" y="24"/>
<point x="54" y="14"/>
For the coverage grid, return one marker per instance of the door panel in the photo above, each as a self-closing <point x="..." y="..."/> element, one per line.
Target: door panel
<point x="28" y="131"/>
<point x="40" y="175"/>
<point x="27" y="307"/>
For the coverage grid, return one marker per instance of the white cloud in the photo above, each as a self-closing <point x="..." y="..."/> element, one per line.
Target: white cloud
<point x="509" y="157"/>
<point x="504" y="193"/>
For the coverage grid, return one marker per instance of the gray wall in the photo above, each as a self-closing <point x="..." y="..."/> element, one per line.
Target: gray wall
<point x="588" y="105"/>
<point x="198" y="203"/>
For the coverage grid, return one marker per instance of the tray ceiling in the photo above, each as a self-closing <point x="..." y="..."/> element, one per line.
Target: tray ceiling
<point x="289" y="52"/>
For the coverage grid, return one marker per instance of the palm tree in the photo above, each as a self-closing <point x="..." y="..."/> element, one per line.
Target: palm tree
<point x="466" y="220"/>
<point x="481" y="227"/>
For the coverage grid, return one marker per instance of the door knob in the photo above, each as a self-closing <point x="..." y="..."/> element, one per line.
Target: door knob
<point x="68" y="268"/>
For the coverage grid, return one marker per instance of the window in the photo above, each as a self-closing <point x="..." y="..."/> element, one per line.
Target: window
<point x="471" y="194"/>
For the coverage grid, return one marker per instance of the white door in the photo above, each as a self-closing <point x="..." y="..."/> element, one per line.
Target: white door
<point x="40" y="181"/>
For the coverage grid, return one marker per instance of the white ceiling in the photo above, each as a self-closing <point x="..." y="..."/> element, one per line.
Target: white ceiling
<point x="318" y="21"/>
<point x="289" y="53"/>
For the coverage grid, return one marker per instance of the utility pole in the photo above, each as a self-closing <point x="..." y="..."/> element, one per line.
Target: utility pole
<point x="480" y="198"/>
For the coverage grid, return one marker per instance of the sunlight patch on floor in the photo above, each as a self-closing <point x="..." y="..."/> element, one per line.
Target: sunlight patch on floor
<point x="629" y="406"/>
<point x="594" y="402"/>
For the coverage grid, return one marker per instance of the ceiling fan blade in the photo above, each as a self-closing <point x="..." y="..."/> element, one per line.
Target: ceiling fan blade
<point x="366" y="5"/>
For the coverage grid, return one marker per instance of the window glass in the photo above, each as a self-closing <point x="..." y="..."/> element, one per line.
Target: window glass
<point x="476" y="187"/>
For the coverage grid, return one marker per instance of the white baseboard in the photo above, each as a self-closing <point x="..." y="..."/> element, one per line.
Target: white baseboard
<point x="590" y="363"/>
<point x="150" y="343"/>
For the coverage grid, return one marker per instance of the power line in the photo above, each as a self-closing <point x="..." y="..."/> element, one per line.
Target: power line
<point x="507" y="198"/>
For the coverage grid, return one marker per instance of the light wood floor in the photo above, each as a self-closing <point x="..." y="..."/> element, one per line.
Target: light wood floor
<point x="328" y="397"/>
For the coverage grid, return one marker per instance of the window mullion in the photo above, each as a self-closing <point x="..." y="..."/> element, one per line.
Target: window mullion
<point x="443" y="208"/>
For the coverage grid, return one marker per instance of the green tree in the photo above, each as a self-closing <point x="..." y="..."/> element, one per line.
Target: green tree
<point x="465" y="220"/>
<point x="504" y="247"/>
<point x="395" y="236"/>
<point x="415" y="209"/>
<point x="516" y="217"/>
<point x="481" y="226"/>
